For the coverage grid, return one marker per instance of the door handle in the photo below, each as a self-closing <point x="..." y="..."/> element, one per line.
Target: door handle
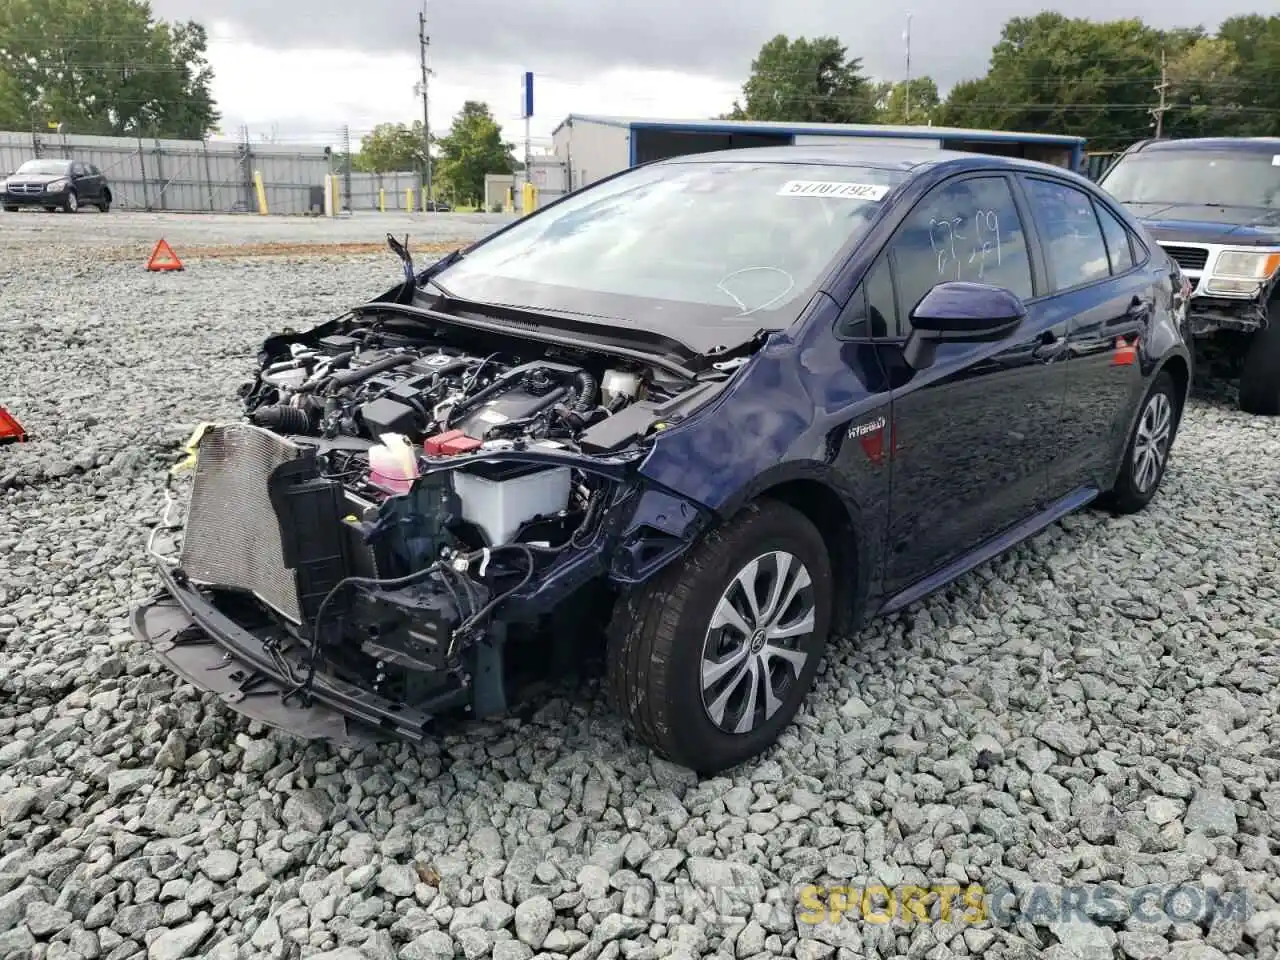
<point x="1050" y="347"/>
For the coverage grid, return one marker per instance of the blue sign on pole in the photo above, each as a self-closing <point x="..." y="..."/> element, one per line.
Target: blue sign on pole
<point x="526" y="89"/>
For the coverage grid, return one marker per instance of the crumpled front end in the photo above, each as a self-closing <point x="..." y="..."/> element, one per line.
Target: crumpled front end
<point x="307" y="605"/>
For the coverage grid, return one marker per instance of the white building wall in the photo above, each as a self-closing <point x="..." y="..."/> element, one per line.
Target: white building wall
<point x="591" y="151"/>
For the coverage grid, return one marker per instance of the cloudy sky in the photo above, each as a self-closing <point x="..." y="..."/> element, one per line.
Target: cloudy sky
<point x="303" y="70"/>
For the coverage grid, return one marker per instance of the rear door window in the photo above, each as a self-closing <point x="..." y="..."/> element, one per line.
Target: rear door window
<point x="1069" y="232"/>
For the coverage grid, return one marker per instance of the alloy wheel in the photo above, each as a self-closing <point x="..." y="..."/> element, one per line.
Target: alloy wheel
<point x="1151" y="443"/>
<point x="754" y="648"/>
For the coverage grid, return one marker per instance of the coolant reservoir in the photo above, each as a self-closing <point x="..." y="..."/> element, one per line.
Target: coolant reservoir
<point x="393" y="465"/>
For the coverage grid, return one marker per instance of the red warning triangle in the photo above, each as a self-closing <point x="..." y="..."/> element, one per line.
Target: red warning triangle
<point x="10" y="429"/>
<point x="163" y="258"/>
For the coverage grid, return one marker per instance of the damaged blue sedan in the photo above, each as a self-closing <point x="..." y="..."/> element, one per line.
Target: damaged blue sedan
<point x="705" y="414"/>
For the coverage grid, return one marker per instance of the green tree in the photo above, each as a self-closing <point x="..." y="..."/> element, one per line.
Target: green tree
<point x="472" y="148"/>
<point x="1204" y="89"/>
<point x="1072" y="75"/>
<point x="391" y="147"/>
<point x="893" y="105"/>
<point x="803" y="80"/>
<point x="103" y="67"/>
<point x="1256" y="42"/>
<point x="971" y="103"/>
<point x="1097" y="79"/>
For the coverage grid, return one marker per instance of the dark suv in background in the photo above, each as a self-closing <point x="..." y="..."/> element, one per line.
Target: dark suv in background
<point x="1214" y="205"/>
<point x="55" y="184"/>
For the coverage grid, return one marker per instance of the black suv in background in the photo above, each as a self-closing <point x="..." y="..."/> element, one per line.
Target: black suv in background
<point x="55" y="184"/>
<point x="1214" y="205"/>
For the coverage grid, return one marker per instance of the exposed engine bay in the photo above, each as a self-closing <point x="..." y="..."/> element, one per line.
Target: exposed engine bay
<point x="397" y="496"/>
<point x="365" y="384"/>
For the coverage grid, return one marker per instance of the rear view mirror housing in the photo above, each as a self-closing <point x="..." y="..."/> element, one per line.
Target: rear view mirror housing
<point x="961" y="311"/>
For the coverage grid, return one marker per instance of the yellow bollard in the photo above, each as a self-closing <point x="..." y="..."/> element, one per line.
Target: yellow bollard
<point x="382" y="200"/>
<point x="528" y="199"/>
<point x="261" y="189"/>
<point x="408" y="199"/>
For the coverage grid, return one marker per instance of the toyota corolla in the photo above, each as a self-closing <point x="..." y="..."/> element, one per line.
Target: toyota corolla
<point x="729" y="406"/>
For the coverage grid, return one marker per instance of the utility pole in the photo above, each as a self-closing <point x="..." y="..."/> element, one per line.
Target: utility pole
<point x="1159" y="111"/>
<point x="907" y="88"/>
<point x="423" y="41"/>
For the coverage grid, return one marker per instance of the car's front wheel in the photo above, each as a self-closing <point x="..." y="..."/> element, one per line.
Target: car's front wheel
<point x="1147" y="455"/>
<point x="709" y="661"/>
<point x="1260" y="379"/>
<point x="72" y="203"/>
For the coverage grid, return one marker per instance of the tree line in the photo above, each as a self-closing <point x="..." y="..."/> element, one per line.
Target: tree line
<point x="1048" y="72"/>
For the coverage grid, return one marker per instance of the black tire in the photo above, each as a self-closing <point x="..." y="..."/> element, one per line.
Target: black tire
<point x="10" y="209"/>
<point x="105" y="205"/>
<point x="1260" y="379"/>
<point x="1130" y="494"/>
<point x="658" y="630"/>
<point x="72" y="203"/>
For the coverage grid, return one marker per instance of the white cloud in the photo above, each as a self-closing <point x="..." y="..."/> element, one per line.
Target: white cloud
<point x="302" y="95"/>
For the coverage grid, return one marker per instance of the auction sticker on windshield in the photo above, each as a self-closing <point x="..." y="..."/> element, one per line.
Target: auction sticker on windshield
<point x="833" y="188"/>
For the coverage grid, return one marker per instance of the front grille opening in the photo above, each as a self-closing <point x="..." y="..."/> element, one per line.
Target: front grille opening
<point x="1189" y="258"/>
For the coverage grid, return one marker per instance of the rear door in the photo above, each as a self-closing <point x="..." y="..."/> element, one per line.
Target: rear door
<point x="1097" y="273"/>
<point x="973" y="435"/>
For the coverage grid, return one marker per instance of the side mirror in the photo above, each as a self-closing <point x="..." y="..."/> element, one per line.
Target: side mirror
<point x="959" y="311"/>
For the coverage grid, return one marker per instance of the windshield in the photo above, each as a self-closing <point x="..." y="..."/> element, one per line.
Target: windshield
<point x="41" y="167"/>
<point x="1197" y="177"/>
<point x="697" y="241"/>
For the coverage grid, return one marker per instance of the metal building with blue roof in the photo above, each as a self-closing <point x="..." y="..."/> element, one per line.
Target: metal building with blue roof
<point x="592" y="147"/>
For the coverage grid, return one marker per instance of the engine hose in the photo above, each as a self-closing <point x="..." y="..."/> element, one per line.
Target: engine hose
<point x="586" y="392"/>
<point x="282" y="417"/>
<point x="348" y="377"/>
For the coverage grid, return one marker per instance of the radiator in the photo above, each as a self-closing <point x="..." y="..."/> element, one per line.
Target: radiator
<point x="232" y="538"/>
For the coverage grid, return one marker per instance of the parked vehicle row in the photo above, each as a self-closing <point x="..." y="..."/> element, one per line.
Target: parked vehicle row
<point x="726" y="406"/>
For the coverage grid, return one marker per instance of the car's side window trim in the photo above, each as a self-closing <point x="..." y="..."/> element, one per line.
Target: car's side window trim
<point x="860" y="295"/>
<point x="1135" y="263"/>
<point x="1140" y="252"/>
<point x="1085" y="285"/>
<point x="1041" y="277"/>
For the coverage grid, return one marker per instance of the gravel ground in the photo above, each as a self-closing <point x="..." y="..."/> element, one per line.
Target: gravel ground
<point x="31" y="230"/>
<point x="1098" y="707"/>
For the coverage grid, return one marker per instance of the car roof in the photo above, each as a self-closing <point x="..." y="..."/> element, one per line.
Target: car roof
<point x="1262" y="145"/>
<point x="881" y="155"/>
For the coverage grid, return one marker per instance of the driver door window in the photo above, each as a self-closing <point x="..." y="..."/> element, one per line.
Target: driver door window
<point x="965" y="229"/>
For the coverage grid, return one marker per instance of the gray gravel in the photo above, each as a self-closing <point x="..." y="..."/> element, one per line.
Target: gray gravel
<point x="28" y="229"/>
<point x="1097" y="708"/>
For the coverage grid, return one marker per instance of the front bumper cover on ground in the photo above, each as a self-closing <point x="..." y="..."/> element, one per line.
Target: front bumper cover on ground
<point x="204" y="646"/>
